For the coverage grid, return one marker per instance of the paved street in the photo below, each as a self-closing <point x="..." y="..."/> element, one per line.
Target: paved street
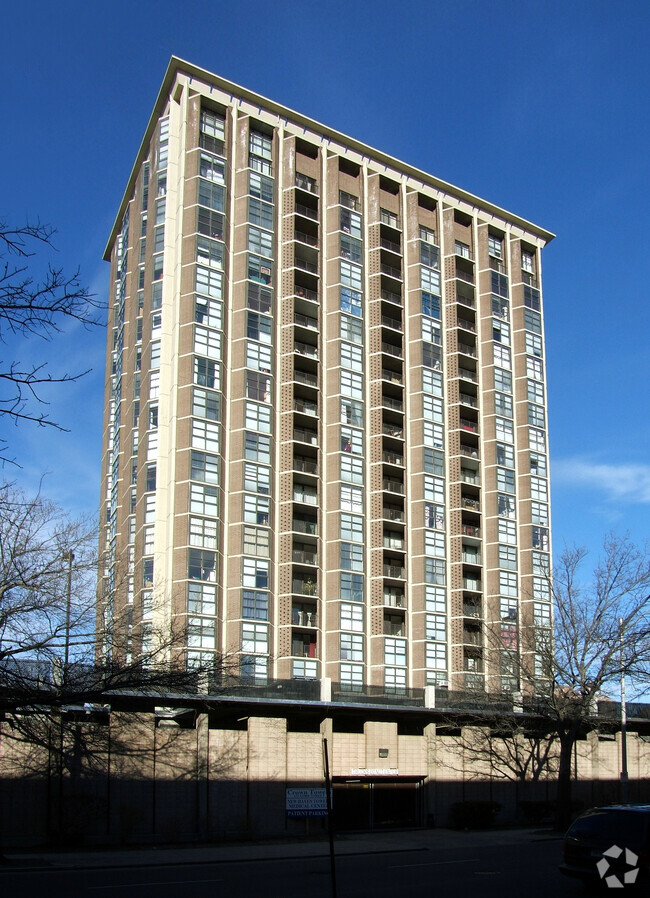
<point x="404" y="864"/>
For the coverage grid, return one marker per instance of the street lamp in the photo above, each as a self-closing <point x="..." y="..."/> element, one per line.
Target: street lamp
<point x="624" y="776"/>
<point x="69" y="557"/>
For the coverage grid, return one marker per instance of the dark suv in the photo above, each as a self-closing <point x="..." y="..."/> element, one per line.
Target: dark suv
<point x="609" y="845"/>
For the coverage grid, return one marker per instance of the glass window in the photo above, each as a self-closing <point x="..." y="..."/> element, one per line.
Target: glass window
<point x="508" y="557"/>
<point x="211" y="195"/>
<point x="507" y="583"/>
<point x="434" y="461"/>
<point x="352" y="527"/>
<point x="351" y="356"/>
<point x="351" y="469"/>
<point x="430" y="280"/>
<point x="209" y="282"/>
<point x="505" y="506"/>
<point x="505" y="455"/>
<point x="394" y="651"/>
<point x="210" y="223"/>
<point x="201" y="565"/>
<point x="203" y="533"/>
<point x="350" y="248"/>
<point x="500" y="332"/>
<point x="351" y="557"/>
<point x="255" y="604"/>
<point x="201" y="599"/>
<point x="502" y="356"/>
<point x="350" y="222"/>
<point x="351" y="329"/>
<point x="207" y="373"/>
<point x="535" y="392"/>
<point x="255" y="573"/>
<point x="507" y="531"/>
<point x="352" y="412"/>
<point x="255" y="638"/>
<point x="260" y="242"/>
<point x="505" y="480"/>
<point x="434" y="571"/>
<point x="204" y="467"/>
<point x="208" y="312"/>
<point x="258" y="416"/>
<point x="351" y="647"/>
<point x="350" y="277"/>
<point x="260" y="213"/>
<point x="534" y="345"/>
<point x="430" y="304"/>
<point x="257" y="447"/>
<point x="434" y="543"/>
<point x="212" y="169"/>
<point x="205" y="435"/>
<point x="260" y="186"/>
<point x="205" y="404"/>
<point x="429" y="255"/>
<point x="351" y="440"/>
<point x="352" y="617"/>
<point x="536" y="416"/>
<point x="435" y="627"/>
<point x="258" y="327"/>
<point x="257" y="478"/>
<point x="351" y="586"/>
<point x="351" y="301"/>
<point x="503" y="404"/>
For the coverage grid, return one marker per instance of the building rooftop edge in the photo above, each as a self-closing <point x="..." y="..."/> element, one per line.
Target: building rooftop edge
<point x="176" y="65"/>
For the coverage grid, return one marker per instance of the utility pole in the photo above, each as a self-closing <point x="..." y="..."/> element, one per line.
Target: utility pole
<point x="624" y="776"/>
<point x="69" y="557"/>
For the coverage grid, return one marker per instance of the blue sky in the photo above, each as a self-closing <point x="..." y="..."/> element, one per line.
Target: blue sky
<point x="540" y="107"/>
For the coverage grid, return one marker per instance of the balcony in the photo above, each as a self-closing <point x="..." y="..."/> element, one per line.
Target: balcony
<point x="302" y="555"/>
<point x="394" y="323"/>
<point x="394" y="625"/>
<point x="391" y="270"/>
<point x="467" y="349"/>
<point x="392" y="486"/>
<point x="471" y="555"/>
<point x="392" y="458"/>
<point x="467" y="399"/>
<point x="470" y="530"/>
<point x="469" y="451"/>
<point x="391" y="296"/>
<point x="471" y="504"/>
<point x="394" y="598"/>
<point x="471" y="609"/>
<point x="304" y="615"/>
<point x="306" y="349"/>
<point x="305" y="407"/>
<point x="305" y="494"/>
<point x="393" y="513"/>
<point x="498" y="265"/>
<point x="466" y="300"/>
<point x="306" y="264"/>
<point x="304" y="237"/>
<point x="393" y="541"/>
<point x="392" y="349"/>
<point x="394" y="571"/>
<point x="305" y="524"/>
<point x="463" y="251"/>
<point x="465" y="272"/>
<point x="305" y="292"/>
<point x="389" y="218"/>
<point x="303" y="377"/>
<point x="305" y="465"/>
<point x="472" y="637"/>
<point x="529" y="279"/>
<point x="306" y="587"/>
<point x="394" y="377"/>
<point x="472" y="584"/>
<point x="303" y="647"/>
<point x="467" y="374"/>
<point x="304" y="182"/>
<point x="391" y="430"/>
<point x="467" y="424"/>
<point x="304" y="435"/>
<point x="469" y="475"/>
<point x="395" y="404"/>
<point x="391" y="245"/>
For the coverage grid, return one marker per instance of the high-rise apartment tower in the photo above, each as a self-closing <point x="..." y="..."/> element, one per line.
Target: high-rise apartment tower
<point x="325" y="442"/>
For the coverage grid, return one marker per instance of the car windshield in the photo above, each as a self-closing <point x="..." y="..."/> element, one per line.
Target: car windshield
<point x="622" y="827"/>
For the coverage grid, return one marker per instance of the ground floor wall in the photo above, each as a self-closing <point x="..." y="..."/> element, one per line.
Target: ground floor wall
<point x="136" y="777"/>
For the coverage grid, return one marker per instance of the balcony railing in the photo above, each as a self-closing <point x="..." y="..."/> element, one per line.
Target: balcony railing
<point x="305" y="465"/>
<point x="467" y="374"/>
<point x="393" y="486"/>
<point x="305" y="292"/>
<point x="304" y="618"/>
<point x="304" y="587"/>
<point x="302" y="377"/>
<point x="391" y="245"/>
<point x="303" y="435"/>
<point x="391" y="349"/>
<point x="466" y="424"/>
<point x="529" y="279"/>
<point x="470" y="477"/>
<point x="391" y="431"/>
<point x="307" y="211"/>
<point x="391" y="296"/>
<point x="471" y="584"/>
<point x="467" y="325"/>
<point x="301" y="556"/>
<point x="393" y="514"/>
<point x="393" y="376"/>
<point x="307" y="408"/>
<point x="305" y="265"/>
<point x="309" y="527"/>
<point x="470" y="530"/>
<point x="466" y="399"/>
<point x="306" y="349"/>
<point x="394" y="570"/>
<point x="389" y="218"/>
<point x="389" y="402"/>
<point x="395" y="600"/>
<point x="304" y="237"/>
<point x="471" y="637"/>
<point x="471" y="504"/>
<point x="462" y="250"/>
<point x="468" y="301"/>
<point x="471" y="557"/>
<point x="392" y="458"/>
<point x="471" y="610"/>
<point x="304" y="182"/>
<point x="395" y="323"/>
<point x="391" y="271"/>
<point x="469" y="451"/>
<point x="463" y="275"/>
<point x="467" y="349"/>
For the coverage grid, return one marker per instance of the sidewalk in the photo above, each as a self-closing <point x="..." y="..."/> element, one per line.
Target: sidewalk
<point x="229" y="852"/>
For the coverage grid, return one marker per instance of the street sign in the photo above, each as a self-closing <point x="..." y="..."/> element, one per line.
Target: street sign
<point x="306" y="803"/>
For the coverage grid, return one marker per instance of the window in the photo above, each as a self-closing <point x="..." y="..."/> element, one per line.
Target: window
<point x="207" y="342"/>
<point x="503" y="404"/>
<point x="507" y="583"/>
<point x="205" y="435"/>
<point x="536" y="416"/>
<point x="502" y="380"/>
<point x="350" y="248"/>
<point x="254" y="667"/>
<point x="429" y="255"/>
<point x="502" y="356"/>
<point x="211" y="195"/>
<point x="394" y="651"/>
<point x="204" y="467"/>
<point x="434" y="571"/>
<point x="505" y="455"/>
<point x="431" y="331"/>
<point x="395" y="679"/>
<point x="260" y="213"/>
<point x="507" y="531"/>
<point x="351" y="587"/>
<point x="351" y="498"/>
<point x="201" y="599"/>
<point x="255" y="604"/>
<point x="149" y="508"/>
<point x="256" y="509"/>
<point x="258" y="386"/>
<point x="430" y="304"/>
<point x="432" y="382"/>
<point x="532" y="321"/>
<point x="147" y="571"/>
<point x="259" y="270"/>
<point x="260" y="242"/>
<point x="540" y="538"/>
<point x="201" y="632"/>
<point x="351" y="647"/>
<point x="536" y="439"/>
<point x="257" y="447"/>
<point x="434" y="517"/>
<point x="538" y="464"/>
<point x="352" y="412"/>
<point x="432" y="434"/>
<point x="535" y="392"/>
<point x="500" y="307"/>
<point x="538" y="489"/>
<point x="505" y="506"/>
<point x="351" y="469"/>
<point x="527" y="262"/>
<point x="148" y="540"/>
<point x="257" y="478"/>
<point x="539" y="512"/>
<point x="351" y="329"/>
<point x="352" y="527"/>
<point x="255" y="638"/>
<point x="259" y="298"/>
<point x="255" y="574"/>
<point x="304" y="670"/>
<point x="350" y="276"/>
<point x="257" y="541"/>
<point x="505" y="480"/>
<point x="260" y="149"/>
<point x="209" y="282"/>
<point x="205" y="404"/>
<point x="351" y="356"/>
<point x="541" y="563"/>
<point x="435" y="627"/>
<point x="258" y="327"/>
<point x="212" y="169"/>
<point x="499" y="284"/>
<point x="210" y="223"/>
<point x="352" y="440"/>
<point x="260" y="186"/>
<point x="534" y="345"/>
<point x="213" y="127"/>
<point x="500" y="332"/>
<point x="434" y="489"/>
<point x="434" y="543"/>
<point x="351" y="557"/>
<point x="541" y="614"/>
<point x="541" y="589"/>
<point x="203" y="533"/>
<point x="201" y="565"/>
<point x="151" y="478"/>
<point x="258" y="356"/>
<point x="436" y="656"/>
<point x="155" y="354"/>
<point x="433" y="461"/>
<point x="432" y="408"/>
<point x="350" y="222"/>
<point x="430" y="280"/>
<point x="495" y="246"/>
<point x="351" y="675"/>
<point x="258" y="417"/>
<point x="503" y="429"/>
<point x="352" y="617"/>
<point x="508" y="558"/>
<point x="351" y="301"/>
<point x="431" y="356"/>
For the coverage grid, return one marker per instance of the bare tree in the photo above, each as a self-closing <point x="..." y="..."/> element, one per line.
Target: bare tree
<point x="601" y="632"/>
<point x="35" y="305"/>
